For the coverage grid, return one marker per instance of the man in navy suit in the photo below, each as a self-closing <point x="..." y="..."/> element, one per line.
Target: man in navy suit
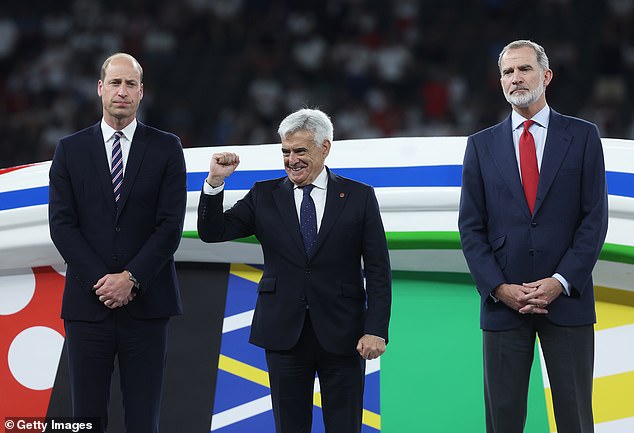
<point x="314" y="314"/>
<point x="533" y="218"/>
<point x="118" y="239"/>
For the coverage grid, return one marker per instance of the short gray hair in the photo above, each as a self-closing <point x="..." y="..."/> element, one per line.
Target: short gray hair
<point x="313" y="120"/>
<point x="542" y="58"/>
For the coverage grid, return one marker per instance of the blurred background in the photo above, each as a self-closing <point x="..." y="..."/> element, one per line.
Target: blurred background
<point x="221" y="72"/>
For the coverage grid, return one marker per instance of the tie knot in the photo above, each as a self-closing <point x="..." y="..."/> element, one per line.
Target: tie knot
<point x="528" y="124"/>
<point x="307" y="189"/>
<point x="118" y="135"/>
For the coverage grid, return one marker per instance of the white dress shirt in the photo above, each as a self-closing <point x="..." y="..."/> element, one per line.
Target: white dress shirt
<point x="126" y="141"/>
<point x="539" y="129"/>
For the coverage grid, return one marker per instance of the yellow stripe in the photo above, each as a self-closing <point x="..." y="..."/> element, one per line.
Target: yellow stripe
<point x="247" y="272"/>
<point x="611" y="315"/>
<point x="369" y="418"/>
<point x="372" y="419"/>
<point x="243" y="370"/>
<point x="615" y="296"/>
<point x="612" y="399"/>
<point x="261" y="377"/>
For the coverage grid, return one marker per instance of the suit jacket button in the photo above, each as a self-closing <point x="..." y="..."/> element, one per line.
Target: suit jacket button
<point x="531" y="252"/>
<point x="533" y="224"/>
<point x="114" y="258"/>
<point x="307" y="271"/>
<point x="117" y="229"/>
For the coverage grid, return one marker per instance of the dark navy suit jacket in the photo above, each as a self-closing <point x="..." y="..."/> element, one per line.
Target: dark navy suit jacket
<point x="501" y="240"/>
<point x="96" y="238"/>
<point x="330" y="281"/>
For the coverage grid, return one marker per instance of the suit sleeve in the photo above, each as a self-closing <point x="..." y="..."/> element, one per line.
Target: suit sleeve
<point x="64" y="224"/>
<point x="577" y="263"/>
<point x="214" y="225"/>
<point x="376" y="263"/>
<point x="168" y="224"/>
<point x="472" y="224"/>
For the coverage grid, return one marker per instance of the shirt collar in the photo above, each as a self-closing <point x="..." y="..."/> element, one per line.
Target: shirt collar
<point x="541" y="118"/>
<point x="321" y="181"/>
<point x="108" y="131"/>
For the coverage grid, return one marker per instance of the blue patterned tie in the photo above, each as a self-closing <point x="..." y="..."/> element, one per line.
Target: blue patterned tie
<point x="308" y="218"/>
<point x="117" y="167"/>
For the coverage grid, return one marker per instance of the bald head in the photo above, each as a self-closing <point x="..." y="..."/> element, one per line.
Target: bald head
<point x="126" y="56"/>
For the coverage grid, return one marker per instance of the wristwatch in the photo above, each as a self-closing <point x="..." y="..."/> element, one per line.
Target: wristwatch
<point x="135" y="288"/>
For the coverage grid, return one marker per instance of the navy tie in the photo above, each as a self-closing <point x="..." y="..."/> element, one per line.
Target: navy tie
<point x="117" y="167"/>
<point x="308" y="218"/>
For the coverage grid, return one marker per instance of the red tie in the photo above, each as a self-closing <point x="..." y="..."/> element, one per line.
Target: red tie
<point x="528" y="165"/>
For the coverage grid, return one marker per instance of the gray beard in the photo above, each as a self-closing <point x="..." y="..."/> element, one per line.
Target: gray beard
<point x="526" y="99"/>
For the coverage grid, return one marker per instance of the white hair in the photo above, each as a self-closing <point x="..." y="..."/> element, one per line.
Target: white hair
<point x="313" y="120"/>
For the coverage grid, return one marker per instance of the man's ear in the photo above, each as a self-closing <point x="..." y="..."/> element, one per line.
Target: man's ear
<point x="325" y="146"/>
<point x="548" y="76"/>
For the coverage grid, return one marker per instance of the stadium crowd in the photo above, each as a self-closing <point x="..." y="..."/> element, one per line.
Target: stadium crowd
<point x="226" y="71"/>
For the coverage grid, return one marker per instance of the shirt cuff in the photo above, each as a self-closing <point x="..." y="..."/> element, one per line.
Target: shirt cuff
<point x="210" y="190"/>
<point x="564" y="283"/>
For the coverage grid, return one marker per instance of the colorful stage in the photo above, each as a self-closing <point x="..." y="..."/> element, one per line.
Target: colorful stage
<point x="429" y="379"/>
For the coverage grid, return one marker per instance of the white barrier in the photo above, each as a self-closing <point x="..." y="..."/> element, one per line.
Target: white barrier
<point x="414" y="205"/>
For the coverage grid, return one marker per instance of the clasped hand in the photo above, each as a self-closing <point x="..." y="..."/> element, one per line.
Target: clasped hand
<point x="114" y="290"/>
<point x="530" y="298"/>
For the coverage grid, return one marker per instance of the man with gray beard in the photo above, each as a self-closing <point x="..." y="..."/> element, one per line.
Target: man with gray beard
<point x="533" y="218"/>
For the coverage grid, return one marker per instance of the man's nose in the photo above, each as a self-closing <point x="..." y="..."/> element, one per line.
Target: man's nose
<point x="122" y="91"/>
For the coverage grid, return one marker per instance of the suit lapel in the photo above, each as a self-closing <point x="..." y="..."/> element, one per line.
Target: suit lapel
<point x="555" y="149"/>
<point x="100" y="161"/>
<point x="336" y="197"/>
<point x="138" y="147"/>
<point x="285" y="202"/>
<point x="503" y="153"/>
